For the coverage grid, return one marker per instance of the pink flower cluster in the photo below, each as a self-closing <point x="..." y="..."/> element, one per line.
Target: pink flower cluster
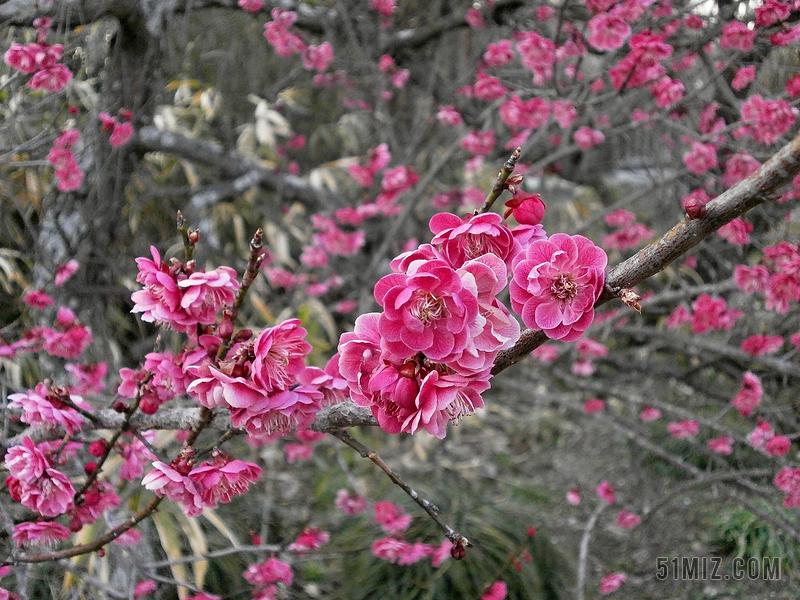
<point x="749" y="395"/>
<point x="277" y="33"/>
<point x="777" y="278"/>
<point x="50" y="407"/>
<point x="208" y="484"/>
<point x="767" y="121"/>
<point x="69" y="176"/>
<point x="40" y="60"/>
<point x="265" y="577"/>
<point x="34" y="483"/>
<point x="121" y="130"/>
<point x="628" y="233"/>
<point x="787" y="480"/>
<point x="179" y="296"/>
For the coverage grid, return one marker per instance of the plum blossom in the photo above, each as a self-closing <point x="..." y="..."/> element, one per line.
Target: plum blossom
<point x="26" y="462"/>
<point x="612" y="582"/>
<point x="252" y="6"/>
<point x="605" y="491"/>
<point x="627" y="520"/>
<point x="762" y="345"/>
<point x="49" y="407"/>
<point x="683" y="429"/>
<point x="649" y="414"/>
<point x="498" y="590"/>
<point x="318" y="58"/>
<point x="221" y="479"/>
<point x="391" y="517"/>
<point x="164" y="480"/>
<point x="749" y="395"/>
<point x="700" y="158"/>
<point x="310" y="538"/>
<point x="50" y="495"/>
<point x="712" y="314"/>
<point x="65" y="272"/>
<point x="721" y="445"/>
<point x="787" y="479"/>
<point x="462" y="239"/>
<point x="556" y="283"/>
<point x="737" y="36"/>
<point x="736" y="232"/>
<point x="350" y="504"/>
<point x="608" y="31"/>
<point x="40" y="533"/>
<point x="586" y="137"/>
<point x="767" y="120"/>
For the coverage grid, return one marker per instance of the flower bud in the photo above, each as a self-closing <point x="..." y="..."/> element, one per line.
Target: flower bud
<point x="119" y="406"/>
<point x="97" y="448"/>
<point x="90" y="467"/>
<point x="149" y="405"/>
<point x="458" y="551"/>
<point x="695" y="207"/>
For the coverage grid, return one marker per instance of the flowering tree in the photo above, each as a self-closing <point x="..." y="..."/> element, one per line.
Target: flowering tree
<point x="639" y="242"/>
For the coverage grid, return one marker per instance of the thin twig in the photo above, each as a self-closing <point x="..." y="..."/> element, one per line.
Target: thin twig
<point x="500" y="182"/>
<point x="583" y="554"/>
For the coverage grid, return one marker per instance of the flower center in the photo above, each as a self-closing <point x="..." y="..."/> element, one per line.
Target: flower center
<point x="475" y="245"/>
<point x="563" y="287"/>
<point x="427" y="308"/>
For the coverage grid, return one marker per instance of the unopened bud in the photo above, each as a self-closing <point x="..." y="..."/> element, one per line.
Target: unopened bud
<point x="243" y="335"/>
<point x="119" y="406"/>
<point x="90" y="467"/>
<point x="458" y="551"/>
<point x="97" y="448"/>
<point x="695" y="208"/>
<point x="514" y="182"/>
<point x="149" y="405"/>
<point x="101" y="552"/>
<point x="194" y="236"/>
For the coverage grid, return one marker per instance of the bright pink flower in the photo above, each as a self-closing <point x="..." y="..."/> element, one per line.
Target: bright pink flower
<point x="564" y="112"/>
<point x="605" y="491"/>
<point x="751" y="279"/>
<point x="793" y="86"/>
<point x="318" y="58"/>
<point x="144" y="588"/>
<point x="573" y="496"/>
<point x="385" y="8"/>
<point x="762" y="345"/>
<point x="498" y="53"/>
<point x="121" y="135"/>
<point x="556" y="283"/>
<point x="26" y="462"/>
<point x="488" y="88"/>
<point x="65" y="271"/>
<point x="586" y="137"/>
<point x="527" y="209"/>
<point x="480" y="143"/>
<point x="627" y="520"/>
<point x="737" y="36"/>
<point x="50" y="495"/>
<point x="683" y="429"/>
<point x="721" y="445"/>
<point x="204" y="595"/>
<point x="712" y="314"/>
<point x="667" y="91"/>
<point x="537" y="54"/>
<point x="430" y="309"/>
<point x="738" y="167"/>
<point x="771" y="12"/>
<point x="749" y="395"/>
<point x="786" y="36"/>
<point x="441" y="553"/>
<point x="268" y="572"/>
<point x="391" y="517"/>
<point x="593" y="405"/>
<point x="389" y="549"/>
<point x="280" y="354"/>
<point x="474" y="18"/>
<point x="612" y="582"/>
<point x="160" y="300"/>
<point x="399" y="179"/>
<point x="607" y="31"/>
<point x="497" y="591"/>
<point x="767" y="120"/>
<point x="277" y="33"/>
<point x="46" y="406"/>
<point x="37" y="299"/>
<point x="649" y="413"/>
<point x="583" y="367"/>
<point x="744" y="77"/>
<point x="524" y="114"/>
<point x="310" y="538"/>
<point x="252" y="6"/>
<point x="736" y="232"/>
<point x="761" y="434"/>
<point x="52" y="79"/>
<point x="222" y="479"/>
<point x="788" y="480"/>
<point x="204" y="294"/>
<point x="164" y="480"/>
<point x="40" y="533"/>
<point x="448" y="115"/>
<point x="462" y="239"/>
<point x="700" y="158"/>
<point x="350" y="504"/>
<point x="778" y="446"/>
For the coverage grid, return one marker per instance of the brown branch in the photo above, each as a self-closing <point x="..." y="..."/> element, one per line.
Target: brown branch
<point x="430" y="508"/>
<point x="655" y="257"/>
<point x="500" y="183"/>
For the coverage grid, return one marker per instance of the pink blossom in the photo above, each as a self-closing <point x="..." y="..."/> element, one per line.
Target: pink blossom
<point x="399" y="179"/>
<point x="488" y="88"/>
<point x="318" y="58"/>
<point x="537" y="54"/>
<point x="667" y="91"/>
<point x="721" y="445"/>
<point x="40" y="533"/>
<point x="297" y="452"/>
<point x="786" y="36"/>
<point x="762" y="345"/>
<point x="37" y="299"/>
<point x="749" y="395"/>
<point x="474" y="18"/>
<point x="391" y="517"/>
<point x="121" y="135"/>
<point x="605" y="491"/>
<point x="712" y="314"/>
<point x="778" y="446"/>
<point x="220" y="480"/>
<point x="556" y="283"/>
<point x="771" y="12"/>
<point x="385" y="8"/>
<point x="65" y="272"/>
<point x="280" y="354"/>
<point x="252" y="6"/>
<point x="564" y="112"/>
<point x="389" y="549"/>
<point x="736" y="232"/>
<point x="683" y="429"/>
<point x="311" y="538"/>
<point x="607" y="31"/>
<point x="498" y="53"/>
<point x="52" y="79"/>
<point x="480" y="143"/>
<point x="612" y="582"/>
<point x="144" y="588"/>
<point x="586" y="137"/>
<point x="26" y="462"/>
<point x="737" y="36"/>
<point x="350" y="504"/>
<point x="744" y="77"/>
<point x="268" y="572"/>
<point x="627" y="520"/>
<point x="277" y="33"/>
<point x="526" y="209"/>
<point x="793" y="86"/>
<point x="583" y="367"/>
<point x="649" y="414"/>
<point x="739" y="167"/>
<point x="751" y="279"/>
<point x="525" y="114"/>
<point x="700" y="158"/>
<point x="767" y="120"/>
<point x="448" y="115"/>
<point x="463" y="239"/>
<point x="164" y="480"/>
<point x="760" y="435"/>
<point x="573" y="496"/>
<point x="497" y="591"/>
<point x="441" y="553"/>
<point x="593" y="405"/>
<point x="204" y="294"/>
<point x="46" y="406"/>
<point x="50" y="495"/>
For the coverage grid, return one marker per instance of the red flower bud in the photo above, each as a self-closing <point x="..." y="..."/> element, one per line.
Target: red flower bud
<point x="14" y="488"/>
<point x="458" y="551"/>
<point x="97" y="448"/>
<point x="695" y="208"/>
<point x="527" y="210"/>
<point x="149" y="405"/>
<point x="90" y="467"/>
<point x="119" y="406"/>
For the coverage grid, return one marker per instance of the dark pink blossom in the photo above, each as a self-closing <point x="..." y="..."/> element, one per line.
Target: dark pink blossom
<point x="164" y="480"/>
<point x="220" y="480"/>
<point x="462" y="239"/>
<point x="605" y="491"/>
<point x="712" y="314"/>
<point x="749" y="395"/>
<point x="736" y="232"/>
<point x="586" y="137"/>
<point x="737" y="36"/>
<point x="627" y="520"/>
<point x="767" y="121"/>
<point x="47" y="407"/>
<point x="311" y="538"/>
<point x="762" y="345"/>
<point x="607" y="31"/>
<point x="700" y="158"/>
<point x="498" y="590"/>
<point x="683" y="429"/>
<point x="39" y="533"/>
<point x="721" y="445"/>
<point x="556" y="283"/>
<point x="26" y="462"/>
<point x="252" y="6"/>
<point x="391" y="517"/>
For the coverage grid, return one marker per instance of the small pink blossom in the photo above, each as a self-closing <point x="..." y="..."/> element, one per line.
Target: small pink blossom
<point x="744" y="77"/>
<point x="593" y="405"/>
<point x="26" y="462"/>
<point x="767" y="120"/>
<point x="40" y="533"/>
<point x="556" y="283"/>
<point x="311" y="538"/>
<point x="37" y="299"/>
<point x="391" y="517"/>
<point x="736" y="232"/>
<point x="778" y="446"/>
<point x="252" y="6"/>
<point x="269" y="572"/>
<point x="627" y="520"/>
<point x="737" y="36"/>
<point x="721" y="445"/>
<point x="50" y="495"/>
<point x="607" y="31"/>
<point x="46" y="406"/>
<point x="220" y="480"/>
<point x="712" y="314"/>
<point x="605" y="491"/>
<point x="749" y="395"/>
<point x="649" y="414"/>
<point x="350" y="504"/>
<point x="318" y="58"/>
<point x="700" y="158"/>
<point x="164" y="480"/>
<point x="448" y="115"/>
<point x="573" y="496"/>
<point x="586" y="137"/>
<point x="683" y="429"/>
<point x="612" y="582"/>
<point x="497" y="591"/>
<point x="65" y="272"/>
<point x="760" y="435"/>
<point x="762" y="345"/>
<point x="739" y="167"/>
<point x="473" y="236"/>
